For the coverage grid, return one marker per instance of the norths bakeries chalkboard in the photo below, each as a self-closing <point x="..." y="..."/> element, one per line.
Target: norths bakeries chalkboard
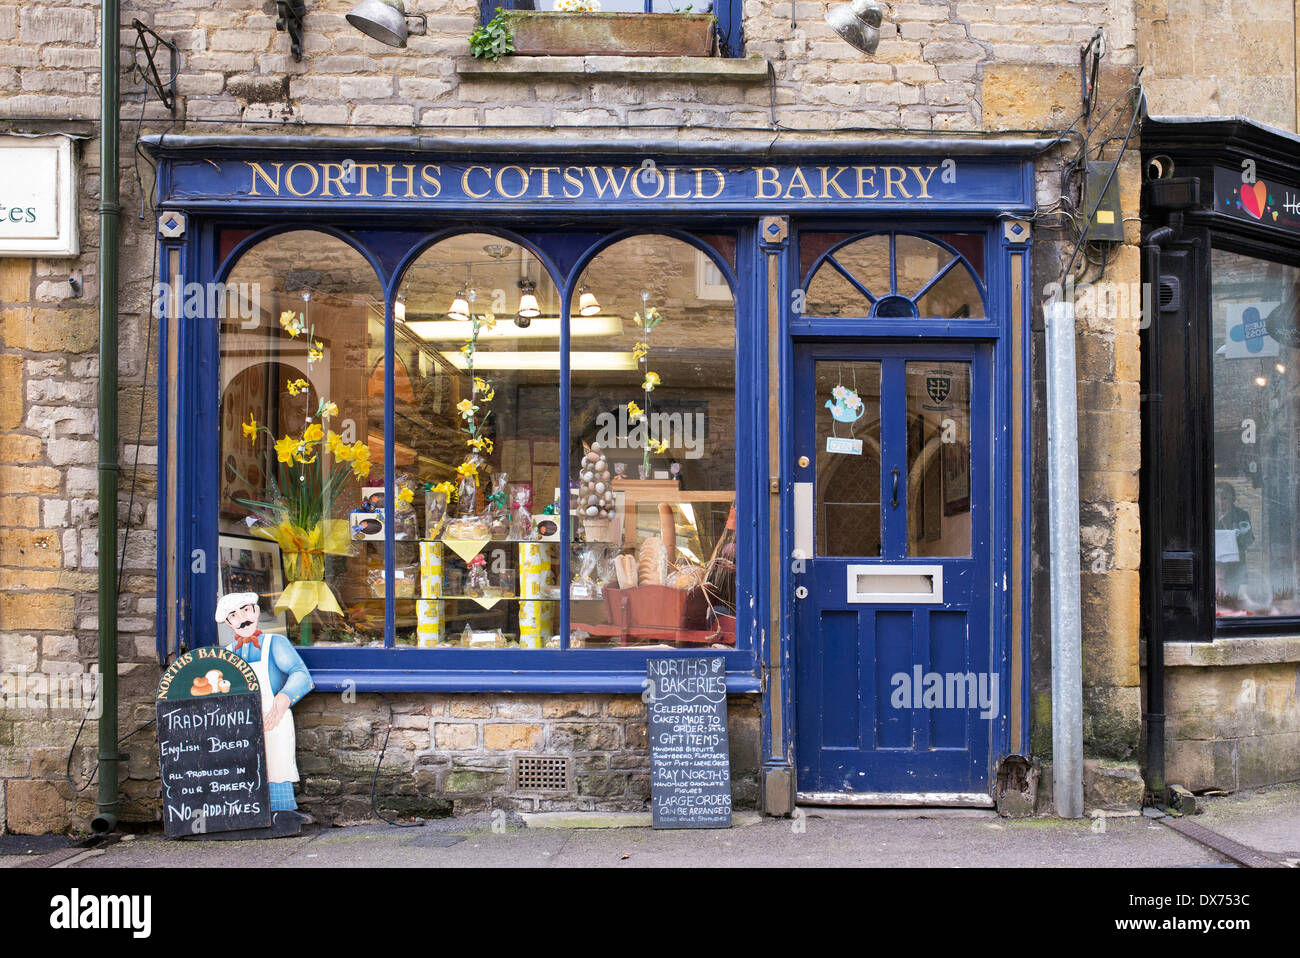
<point x="210" y="744"/>
<point x="690" y="768"/>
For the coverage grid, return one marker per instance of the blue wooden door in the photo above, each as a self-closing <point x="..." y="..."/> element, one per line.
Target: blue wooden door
<point x="895" y="689"/>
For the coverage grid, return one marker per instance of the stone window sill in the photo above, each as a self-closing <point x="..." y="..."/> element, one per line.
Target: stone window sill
<point x="747" y="70"/>
<point x="1253" y="650"/>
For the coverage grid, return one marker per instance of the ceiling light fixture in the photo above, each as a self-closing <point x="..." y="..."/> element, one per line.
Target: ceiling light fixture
<point x="587" y="305"/>
<point x="540" y="359"/>
<point x="445" y="331"/>
<point x="460" y="307"/>
<point x="528" y="308"/>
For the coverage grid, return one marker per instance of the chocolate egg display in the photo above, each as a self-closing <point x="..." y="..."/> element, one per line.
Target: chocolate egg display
<point x="594" y="493"/>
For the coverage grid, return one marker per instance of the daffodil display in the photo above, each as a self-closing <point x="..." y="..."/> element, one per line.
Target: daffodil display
<point x="647" y="320"/>
<point x="301" y="489"/>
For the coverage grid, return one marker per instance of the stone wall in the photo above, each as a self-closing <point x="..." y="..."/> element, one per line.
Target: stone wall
<point x="1233" y="713"/>
<point x="452" y="754"/>
<point x="1221" y="58"/>
<point x="943" y="67"/>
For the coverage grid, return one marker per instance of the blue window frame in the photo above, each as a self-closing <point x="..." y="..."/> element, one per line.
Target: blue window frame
<point x="728" y="12"/>
<point x="216" y="246"/>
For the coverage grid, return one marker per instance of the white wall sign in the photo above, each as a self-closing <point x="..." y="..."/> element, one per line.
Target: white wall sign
<point x="38" y="197"/>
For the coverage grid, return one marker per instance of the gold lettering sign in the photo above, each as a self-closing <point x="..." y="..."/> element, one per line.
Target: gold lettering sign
<point x="608" y="183"/>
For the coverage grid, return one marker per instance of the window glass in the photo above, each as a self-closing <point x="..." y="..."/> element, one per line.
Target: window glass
<point x="895" y="276"/>
<point x="848" y="458"/>
<point x="301" y="435"/>
<point x="938" y="459"/>
<point x="477" y="430"/>
<point x="1256" y="306"/>
<point x="652" y="457"/>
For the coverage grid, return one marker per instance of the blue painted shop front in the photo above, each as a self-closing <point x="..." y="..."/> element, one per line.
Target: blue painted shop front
<point x="880" y="419"/>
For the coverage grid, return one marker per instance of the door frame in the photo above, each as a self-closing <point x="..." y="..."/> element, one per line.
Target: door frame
<point x="1006" y="329"/>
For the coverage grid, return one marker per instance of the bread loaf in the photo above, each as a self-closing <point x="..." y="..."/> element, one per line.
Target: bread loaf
<point x="652" y="565"/>
<point x="625" y="569"/>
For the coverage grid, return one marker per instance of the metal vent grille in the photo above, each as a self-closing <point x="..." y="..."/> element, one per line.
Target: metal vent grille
<point x="1178" y="570"/>
<point x="543" y="773"/>
<point x="1171" y="294"/>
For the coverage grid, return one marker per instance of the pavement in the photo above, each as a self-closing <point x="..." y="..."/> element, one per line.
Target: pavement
<point x="1265" y="821"/>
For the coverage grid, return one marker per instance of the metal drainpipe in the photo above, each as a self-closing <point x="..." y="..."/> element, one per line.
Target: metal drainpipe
<point x="1063" y="521"/>
<point x="1153" y="473"/>
<point x="109" y="216"/>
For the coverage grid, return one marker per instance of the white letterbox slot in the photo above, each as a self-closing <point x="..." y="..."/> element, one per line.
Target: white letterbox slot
<point x="896" y="584"/>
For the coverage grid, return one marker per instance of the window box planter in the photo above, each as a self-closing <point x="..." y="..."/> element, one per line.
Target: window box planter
<point x="538" y="33"/>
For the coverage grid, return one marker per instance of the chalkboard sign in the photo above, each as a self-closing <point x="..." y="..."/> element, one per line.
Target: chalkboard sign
<point x="210" y="744"/>
<point x="690" y="767"/>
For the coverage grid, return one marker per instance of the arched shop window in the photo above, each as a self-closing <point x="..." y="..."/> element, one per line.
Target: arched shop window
<point x="477" y="336"/>
<point x="499" y="437"/>
<point x="652" y="448"/>
<point x="893" y="275"/>
<point x="301" y="432"/>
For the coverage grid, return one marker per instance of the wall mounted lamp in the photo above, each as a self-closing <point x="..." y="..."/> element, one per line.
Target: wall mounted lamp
<point x="387" y="21"/>
<point x="858" y="23"/>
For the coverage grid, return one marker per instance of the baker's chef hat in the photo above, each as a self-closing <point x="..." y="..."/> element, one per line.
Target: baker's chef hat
<point x="233" y="601"/>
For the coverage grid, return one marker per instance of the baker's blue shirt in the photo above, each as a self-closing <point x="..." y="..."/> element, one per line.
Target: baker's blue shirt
<point x="284" y="666"/>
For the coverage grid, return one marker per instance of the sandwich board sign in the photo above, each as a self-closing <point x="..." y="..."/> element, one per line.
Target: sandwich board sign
<point x="690" y="764"/>
<point x="211" y="748"/>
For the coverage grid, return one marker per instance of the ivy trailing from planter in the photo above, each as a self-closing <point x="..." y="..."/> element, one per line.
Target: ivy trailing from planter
<point x="492" y="41"/>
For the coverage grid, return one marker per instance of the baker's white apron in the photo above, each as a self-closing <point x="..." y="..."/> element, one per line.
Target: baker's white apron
<point x="281" y="742"/>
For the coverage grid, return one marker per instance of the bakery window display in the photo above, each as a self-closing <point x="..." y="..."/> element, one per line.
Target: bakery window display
<point x="654" y="458"/>
<point x="482" y="423"/>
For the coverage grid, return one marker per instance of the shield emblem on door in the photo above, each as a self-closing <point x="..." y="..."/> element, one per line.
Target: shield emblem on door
<point x="937" y="388"/>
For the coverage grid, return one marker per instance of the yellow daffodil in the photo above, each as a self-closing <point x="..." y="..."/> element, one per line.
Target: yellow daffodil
<point x="467" y="409"/>
<point x="634" y="412"/>
<point x="292" y="323"/>
<point x="467" y="349"/>
<point x="482" y="443"/>
<point x="250" y="428"/>
<point x="337" y="447"/>
<point x="303" y="453"/>
<point x="651" y="381"/>
<point x="316" y="352"/>
<point x="639" y="351"/>
<point x="329" y="409"/>
<point x="314" y="433"/>
<point x="360" y="460"/>
<point x="656" y="445"/>
<point x="285" y="448"/>
<point x="296" y="386"/>
<point x="488" y="321"/>
<point x="483" y="389"/>
<point x="405" y="496"/>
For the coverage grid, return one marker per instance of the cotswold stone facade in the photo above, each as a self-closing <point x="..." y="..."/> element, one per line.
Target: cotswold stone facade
<point x="1232" y="703"/>
<point x="943" y="69"/>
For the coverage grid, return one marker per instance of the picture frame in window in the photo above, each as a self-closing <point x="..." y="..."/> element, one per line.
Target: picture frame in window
<point x="251" y="564"/>
<point x="710" y="283"/>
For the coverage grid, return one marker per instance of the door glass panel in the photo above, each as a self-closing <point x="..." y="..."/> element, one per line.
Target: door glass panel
<point x="847" y="412"/>
<point x="938" y="459"/>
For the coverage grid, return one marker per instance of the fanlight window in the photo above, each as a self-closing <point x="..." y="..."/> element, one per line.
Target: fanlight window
<point x="894" y="276"/>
